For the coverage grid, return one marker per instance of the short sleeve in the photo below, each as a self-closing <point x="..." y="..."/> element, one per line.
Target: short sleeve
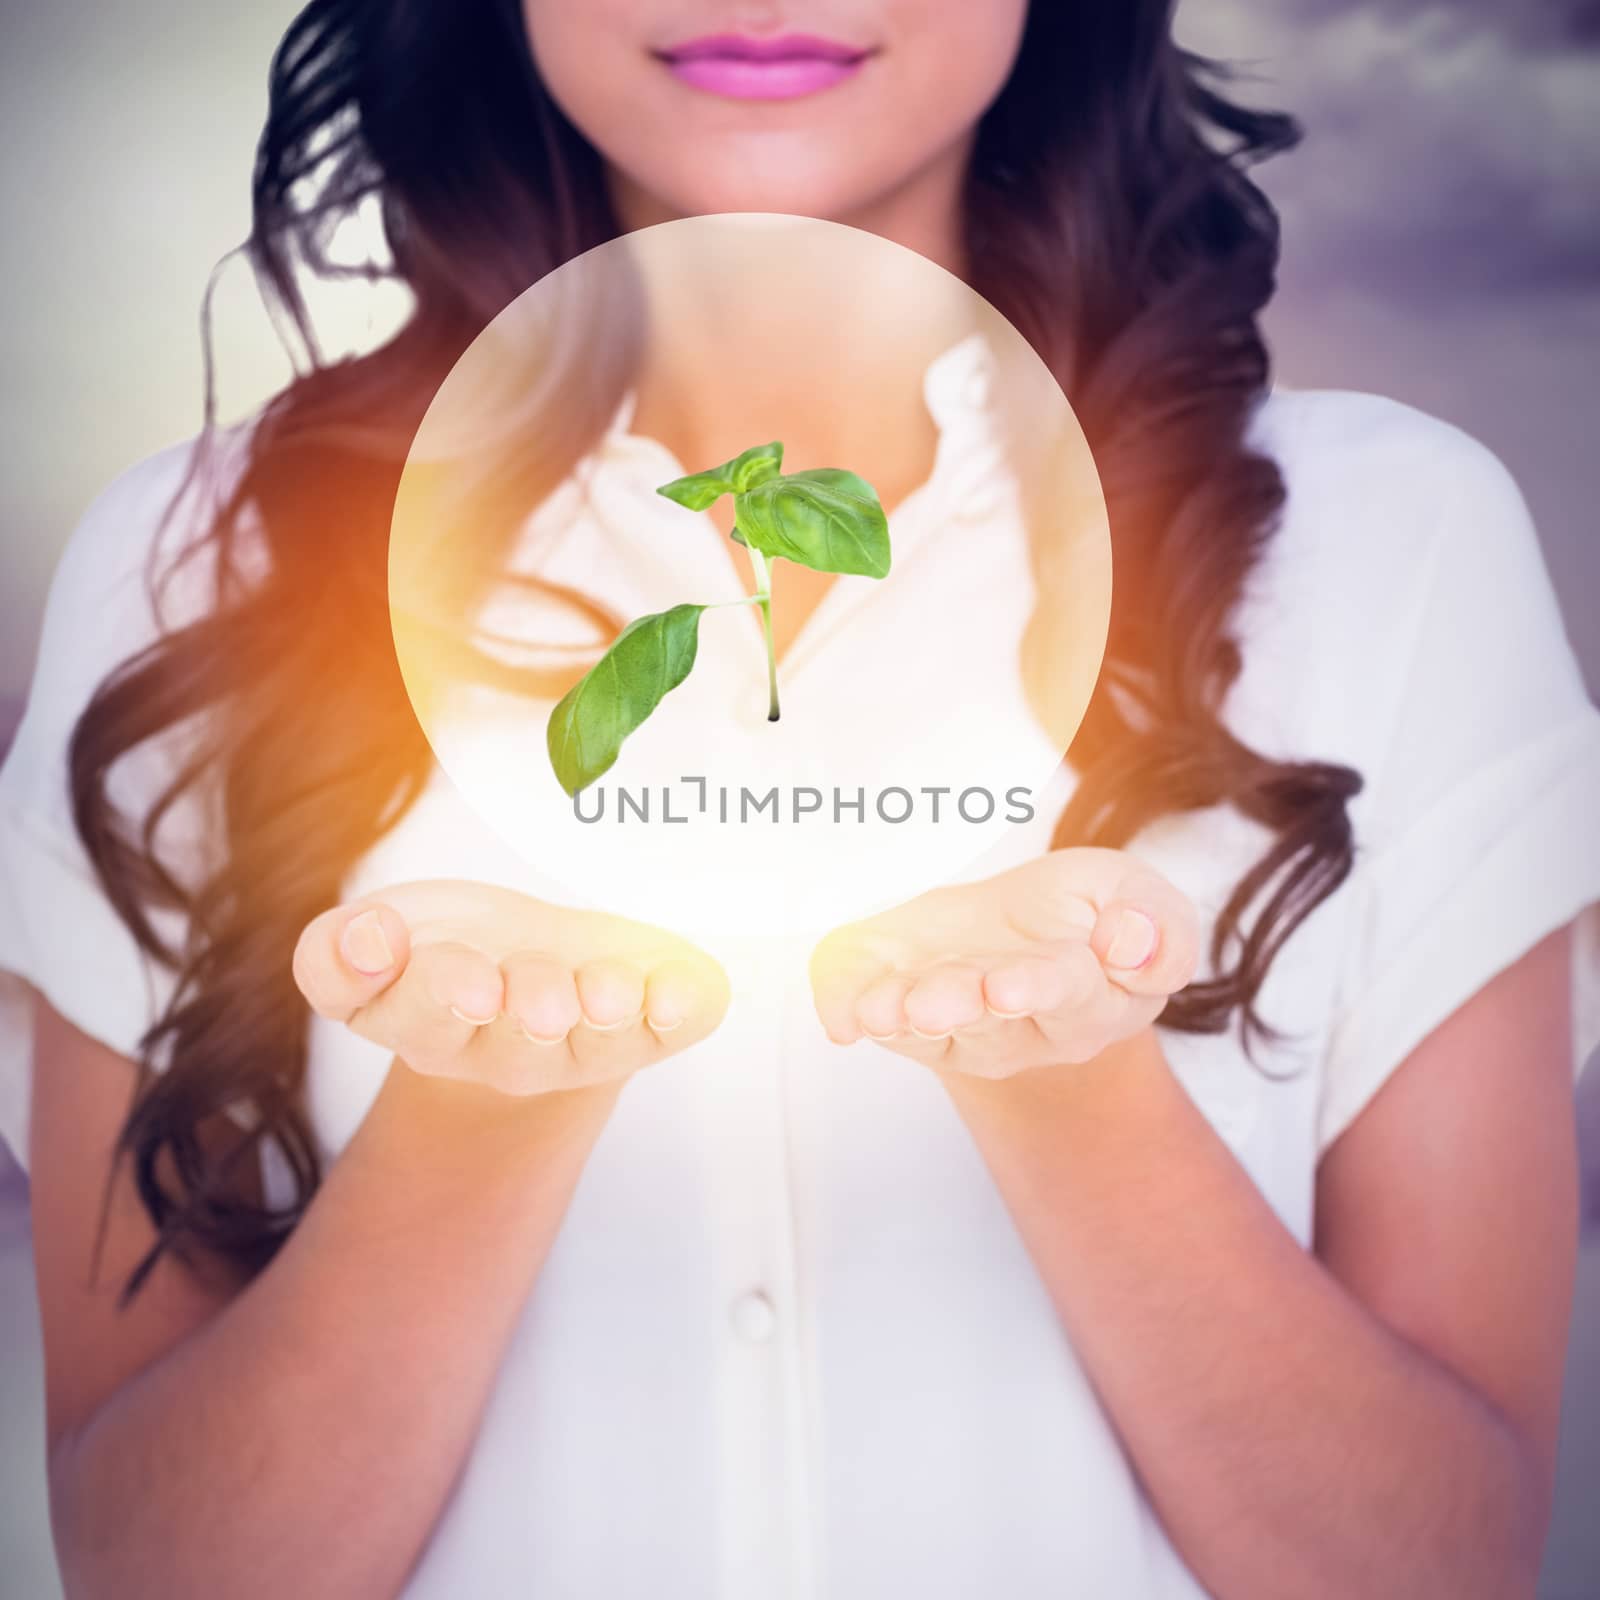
<point x="1480" y="830"/>
<point x="58" y="931"/>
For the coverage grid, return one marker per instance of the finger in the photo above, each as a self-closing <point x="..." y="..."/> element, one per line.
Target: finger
<point x="446" y="993"/>
<point x="945" y="998"/>
<point x="1148" y="938"/>
<point x="1076" y="1025"/>
<point x="675" y="992"/>
<point x="541" y="996"/>
<point x="687" y="995"/>
<point x="611" y="994"/>
<point x="1027" y="986"/>
<point x="880" y="1013"/>
<point x="349" y="955"/>
<point x="842" y="967"/>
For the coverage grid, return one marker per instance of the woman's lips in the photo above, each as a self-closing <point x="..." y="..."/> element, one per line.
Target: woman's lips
<point x="763" y="69"/>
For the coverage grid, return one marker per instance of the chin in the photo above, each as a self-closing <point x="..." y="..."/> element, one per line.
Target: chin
<point x="821" y="187"/>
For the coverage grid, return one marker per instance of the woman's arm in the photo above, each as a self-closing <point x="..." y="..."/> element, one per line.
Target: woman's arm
<point x="1377" y="1422"/>
<point x="297" y="1436"/>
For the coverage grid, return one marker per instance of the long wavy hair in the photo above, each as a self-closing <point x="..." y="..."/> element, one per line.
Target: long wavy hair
<point x="1110" y="216"/>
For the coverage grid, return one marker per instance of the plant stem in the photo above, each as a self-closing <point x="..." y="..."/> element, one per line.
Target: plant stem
<point x="772" y="662"/>
<point x="763" y="598"/>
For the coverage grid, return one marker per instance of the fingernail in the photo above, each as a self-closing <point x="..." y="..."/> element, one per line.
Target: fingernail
<point x="666" y="1027"/>
<point x="612" y="1027"/>
<point x="539" y="1038"/>
<point x="472" y="1022"/>
<point x="365" y="945"/>
<point x="1133" y="943"/>
<point x="881" y="1038"/>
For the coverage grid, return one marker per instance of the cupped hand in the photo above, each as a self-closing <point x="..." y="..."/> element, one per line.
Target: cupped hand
<point x="1051" y="962"/>
<point x="467" y="980"/>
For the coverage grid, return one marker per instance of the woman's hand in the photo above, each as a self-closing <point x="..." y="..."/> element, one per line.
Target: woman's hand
<point x="1051" y="962"/>
<point x="464" y="980"/>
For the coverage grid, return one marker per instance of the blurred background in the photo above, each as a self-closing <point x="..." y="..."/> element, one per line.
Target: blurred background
<point x="1442" y="247"/>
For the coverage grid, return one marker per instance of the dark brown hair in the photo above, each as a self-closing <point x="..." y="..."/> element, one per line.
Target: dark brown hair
<point x="1110" y="218"/>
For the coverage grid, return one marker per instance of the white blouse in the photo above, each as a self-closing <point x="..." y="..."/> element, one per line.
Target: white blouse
<point x="788" y="1343"/>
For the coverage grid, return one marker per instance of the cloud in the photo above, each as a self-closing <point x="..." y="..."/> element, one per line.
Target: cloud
<point x="1535" y="23"/>
<point x="1451" y="147"/>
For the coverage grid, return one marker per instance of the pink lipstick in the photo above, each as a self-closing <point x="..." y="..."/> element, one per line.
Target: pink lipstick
<point x="743" y="68"/>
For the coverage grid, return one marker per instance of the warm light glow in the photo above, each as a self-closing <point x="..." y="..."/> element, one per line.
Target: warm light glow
<point x="715" y="819"/>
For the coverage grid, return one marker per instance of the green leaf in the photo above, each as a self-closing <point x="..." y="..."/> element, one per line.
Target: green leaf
<point x="646" y="661"/>
<point x="827" y="519"/>
<point x="701" y="490"/>
<point x="755" y="466"/>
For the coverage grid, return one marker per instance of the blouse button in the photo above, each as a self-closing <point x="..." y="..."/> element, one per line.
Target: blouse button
<point x="753" y="1317"/>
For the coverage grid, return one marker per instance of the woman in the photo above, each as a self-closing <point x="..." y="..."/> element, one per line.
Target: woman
<point x="1026" y="1297"/>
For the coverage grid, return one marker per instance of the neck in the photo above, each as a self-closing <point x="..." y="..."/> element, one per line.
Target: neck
<point x="744" y="347"/>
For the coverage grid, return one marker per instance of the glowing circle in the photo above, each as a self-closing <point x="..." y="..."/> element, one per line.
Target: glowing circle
<point x="915" y="724"/>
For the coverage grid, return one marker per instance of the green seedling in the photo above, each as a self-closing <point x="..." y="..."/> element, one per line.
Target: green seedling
<point x="826" y="519"/>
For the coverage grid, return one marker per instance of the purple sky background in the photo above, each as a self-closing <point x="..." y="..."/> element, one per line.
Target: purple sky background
<point x="1442" y="247"/>
<point x="1442" y="232"/>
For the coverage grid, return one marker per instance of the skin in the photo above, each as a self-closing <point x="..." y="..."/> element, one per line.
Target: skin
<point x="885" y="152"/>
<point x="259" y="1417"/>
<point x="1375" y="1418"/>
